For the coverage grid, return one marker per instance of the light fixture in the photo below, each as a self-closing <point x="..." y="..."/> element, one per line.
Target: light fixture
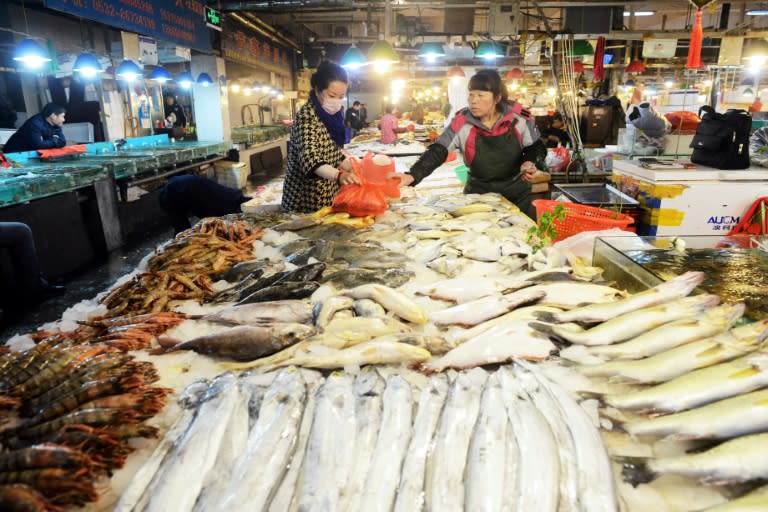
<point x="747" y="92"/>
<point x="456" y="72"/>
<point x="204" y="79"/>
<point x="757" y="12"/>
<point x="87" y="65"/>
<point x="515" y="74"/>
<point x="160" y="74"/>
<point x="668" y="83"/>
<point x="582" y="47"/>
<point x="353" y="58"/>
<point x="639" y="13"/>
<point x="128" y="70"/>
<point x="757" y="51"/>
<point x="235" y="87"/>
<point x="636" y="66"/>
<point x="256" y="86"/>
<point x="185" y="79"/>
<point x="488" y="50"/>
<point x="31" y="53"/>
<point x="431" y="51"/>
<point x="748" y="81"/>
<point x="382" y="55"/>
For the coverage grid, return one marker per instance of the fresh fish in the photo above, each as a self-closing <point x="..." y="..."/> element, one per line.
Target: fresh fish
<point x="233" y="292"/>
<point x="367" y="352"/>
<point x="239" y="292"/>
<point x="361" y="328"/>
<point x="496" y="345"/>
<point x="369" y="387"/>
<point x="595" y="476"/>
<point x="629" y="325"/>
<point x="568" y="495"/>
<point x="352" y="277"/>
<point x="571" y="294"/>
<point x="240" y="270"/>
<point x="325" y="310"/>
<point x="392" y="300"/>
<point x="298" y="245"/>
<point x="674" y="289"/>
<point x="394" y="435"/>
<point x="466" y="289"/>
<point x="459" y="336"/>
<point x="247" y="342"/>
<point x="178" y="483"/>
<point x="738" y="460"/>
<point x="445" y="471"/>
<point x="755" y="501"/>
<point x="425" y="251"/>
<point x="282" y="291"/>
<point x="331" y="341"/>
<point x="298" y="223"/>
<point x="673" y="334"/>
<point x="233" y="444"/>
<point x="487" y="457"/>
<point x="511" y="481"/>
<point x="410" y="494"/>
<point x="322" y="251"/>
<point x="297" y="311"/>
<point x="270" y="444"/>
<point x="699" y="387"/>
<point x="480" y="310"/>
<point x="732" y="417"/>
<point x="331" y="448"/>
<point x="368" y="308"/>
<point x="450" y="266"/>
<point x="286" y="498"/>
<point x="677" y="361"/>
<point x="538" y="473"/>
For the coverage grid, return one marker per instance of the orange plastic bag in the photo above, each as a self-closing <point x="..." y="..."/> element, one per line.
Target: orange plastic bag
<point x="66" y="150"/>
<point x="374" y="169"/>
<point x="368" y="198"/>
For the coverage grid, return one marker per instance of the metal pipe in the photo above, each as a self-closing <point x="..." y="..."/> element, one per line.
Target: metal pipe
<point x="259" y="30"/>
<point x="280" y="37"/>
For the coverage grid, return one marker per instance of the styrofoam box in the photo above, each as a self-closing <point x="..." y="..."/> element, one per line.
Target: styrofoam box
<point x="231" y="174"/>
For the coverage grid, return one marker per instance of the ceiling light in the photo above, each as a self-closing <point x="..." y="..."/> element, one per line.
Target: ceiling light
<point x="185" y="79"/>
<point x="160" y="74"/>
<point x="87" y="65"/>
<point x="582" y="47"/>
<point x="431" y="51"/>
<point x="382" y="52"/>
<point x="31" y="53"/>
<point x="757" y="50"/>
<point x="488" y="50"/>
<point x="353" y="58"/>
<point x="757" y="12"/>
<point x="128" y="70"/>
<point x="639" y="13"/>
<point x="204" y="79"/>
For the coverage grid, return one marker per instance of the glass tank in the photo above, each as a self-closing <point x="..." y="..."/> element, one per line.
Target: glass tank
<point x="735" y="267"/>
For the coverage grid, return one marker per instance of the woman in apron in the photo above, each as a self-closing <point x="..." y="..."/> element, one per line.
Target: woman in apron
<point x="493" y="136"/>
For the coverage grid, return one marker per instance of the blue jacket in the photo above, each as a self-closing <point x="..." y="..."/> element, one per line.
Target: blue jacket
<point x="35" y="133"/>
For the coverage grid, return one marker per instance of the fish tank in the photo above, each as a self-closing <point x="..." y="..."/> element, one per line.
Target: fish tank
<point x="735" y="266"/>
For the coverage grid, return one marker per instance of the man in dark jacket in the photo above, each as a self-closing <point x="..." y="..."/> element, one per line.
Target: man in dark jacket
<point x="41" y="131"/>
<point x="174" y="112"/>
<point x="352" y="119"/>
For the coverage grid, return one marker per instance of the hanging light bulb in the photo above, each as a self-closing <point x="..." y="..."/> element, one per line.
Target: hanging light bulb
<point x="204" y="79"/>
<point x="431" y="51"/>
<point x="87" y="65"/>
<point x="31" y="53"/>
<point x="353" y="58"/>
<point x="456" y="73"/>
<point x="160" y="74"/>
<point x="235" y="87"/>
<point x="185" y="79"/>
<point x="488" y="50"/>
<point x="128" y="70"/>
<point x="382" y="56"/>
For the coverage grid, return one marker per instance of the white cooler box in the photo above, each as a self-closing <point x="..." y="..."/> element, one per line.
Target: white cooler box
<point x="231" y="174"/>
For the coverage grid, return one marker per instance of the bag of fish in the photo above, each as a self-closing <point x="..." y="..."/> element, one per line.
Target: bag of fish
<point x="369" y="197"/>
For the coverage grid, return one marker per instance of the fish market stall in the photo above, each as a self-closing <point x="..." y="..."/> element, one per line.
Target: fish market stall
<point x="430" y="359"/>
<point x="675" y="200"/>
<point x="251" y="142"/>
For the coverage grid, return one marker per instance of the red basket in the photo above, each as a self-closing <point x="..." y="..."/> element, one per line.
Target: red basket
<point x="579" y="217"/>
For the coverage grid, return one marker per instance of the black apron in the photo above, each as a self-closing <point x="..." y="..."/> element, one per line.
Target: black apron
<point x="496" y="168"/>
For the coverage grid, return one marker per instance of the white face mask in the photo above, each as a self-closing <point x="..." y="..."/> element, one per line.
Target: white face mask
<point x="332" y="105"/>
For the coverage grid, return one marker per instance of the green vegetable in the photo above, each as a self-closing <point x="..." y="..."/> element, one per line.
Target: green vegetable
<point x="544" y="232"/>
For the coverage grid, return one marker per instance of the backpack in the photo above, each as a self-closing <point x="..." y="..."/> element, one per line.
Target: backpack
<point x="722" y="140"/>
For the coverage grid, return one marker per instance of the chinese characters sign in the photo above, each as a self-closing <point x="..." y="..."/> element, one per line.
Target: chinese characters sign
<point x="243" y="46"/>
<point x="177" y="21"/>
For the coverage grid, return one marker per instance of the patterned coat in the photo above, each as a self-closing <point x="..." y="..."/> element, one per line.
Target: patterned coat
<point x="310" y="147"/>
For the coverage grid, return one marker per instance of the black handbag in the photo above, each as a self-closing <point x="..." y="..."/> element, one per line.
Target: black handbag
<point x="722" y="140"/>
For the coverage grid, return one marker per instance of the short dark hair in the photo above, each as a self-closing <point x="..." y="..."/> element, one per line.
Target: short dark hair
<point x="326" y="73"/>
<point x="489" y="80"/>
<point x="389" y="108"/>
<point x="356" y="103"/>
<point x="557" y="116"/>
<point x="52" y="108"/>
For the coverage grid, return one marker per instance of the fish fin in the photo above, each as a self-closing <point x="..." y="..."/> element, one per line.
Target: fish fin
<point x="541" y="327"/>
<point x="544" y="316"/>
<point x="745" y="373"/>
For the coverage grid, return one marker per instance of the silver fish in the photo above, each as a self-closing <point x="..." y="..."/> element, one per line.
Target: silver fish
<point x="410" y="494"/>
<point x="367" y="352"/>
<point x="571" y="294"/>
<point x="755" y="501"/>
<point x="674" y="334"/>
<point x="392" y="300"/>
<point x="594" y="313"/>
<point x="629" y="325"/>
<point x="480" y="310"/>
<point x="296" y="311"/>
<point x="324" y="311"/>
<point x="368" y="308"/>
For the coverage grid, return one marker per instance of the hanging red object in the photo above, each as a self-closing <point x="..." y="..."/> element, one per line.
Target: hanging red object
<point x="578" y="66"/>
<point x="515" y="74"/>
<point x="599" y="70"/>
<point x="635" y="67"/>
<point x="694" y="49"/>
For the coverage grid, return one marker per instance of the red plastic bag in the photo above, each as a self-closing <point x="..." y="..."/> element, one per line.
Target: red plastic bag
<point x="66" y="150"/>
<point x="368" y="198"/>
<point x="557" y="159"/>
<point x="683" y="121"/>
<point x="374" y="169"/>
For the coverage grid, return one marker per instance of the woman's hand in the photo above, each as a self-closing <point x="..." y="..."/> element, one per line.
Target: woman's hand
<point x="527" y="171"/>
<point x="405" y="179"/>
<point x="347" y="177"/>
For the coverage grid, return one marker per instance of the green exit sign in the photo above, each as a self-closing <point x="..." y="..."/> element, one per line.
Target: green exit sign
<point x="213" y="18"/>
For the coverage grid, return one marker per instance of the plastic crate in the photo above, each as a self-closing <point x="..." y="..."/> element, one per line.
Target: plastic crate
<point x="579" y="217"/>
<point x="231" y="174"/>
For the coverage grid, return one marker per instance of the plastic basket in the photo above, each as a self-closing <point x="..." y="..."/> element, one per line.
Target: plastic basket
<point x="462" y="172"/>
<point x="579" y="217"/>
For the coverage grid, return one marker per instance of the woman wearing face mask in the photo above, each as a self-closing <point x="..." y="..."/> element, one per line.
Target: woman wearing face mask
<point x="494" y="138"/>
<point x="316" y="165"/>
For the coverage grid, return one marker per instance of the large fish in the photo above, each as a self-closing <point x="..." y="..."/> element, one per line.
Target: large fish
<point x="394" y="435"/>
<point x="496" y="345"/>
<point x="571" y="294"/>
<point x="673" y="334"/>
<point x="738" y="460"/>
<point x="356" y="329"/>
<point x="392" y="300"/>
<point x="283" y="290"/>
<point x="247" y="342"/>
<point x="594" y="313"/>
<point x="410" y="494"/>
<point x="755" y="501"/>
<point x="480" y="310"/>
<point x="629" y="325"/>
<point x="367" y="352"/>
<point x="677" y="361"/>
<point x="297" y="311"/>
<point x="732" y="417"/>
<point x="699" y="387"/>
<point x="323" y="311"/>
<point x="458" y="336"/>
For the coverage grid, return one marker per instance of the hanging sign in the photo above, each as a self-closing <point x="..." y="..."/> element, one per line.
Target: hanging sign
<point x="148" y="50"/>
<point x="178" y="21"/>
<point x="730" y="51"/>
<point x="241" y="45"/>
<point x="654" y="48"/>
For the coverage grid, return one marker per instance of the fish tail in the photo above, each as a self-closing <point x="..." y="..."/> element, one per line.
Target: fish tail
<point x="541" y="327"/>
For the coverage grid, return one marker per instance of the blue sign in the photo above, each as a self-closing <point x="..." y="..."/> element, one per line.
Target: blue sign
<point x="177" y="21"/>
